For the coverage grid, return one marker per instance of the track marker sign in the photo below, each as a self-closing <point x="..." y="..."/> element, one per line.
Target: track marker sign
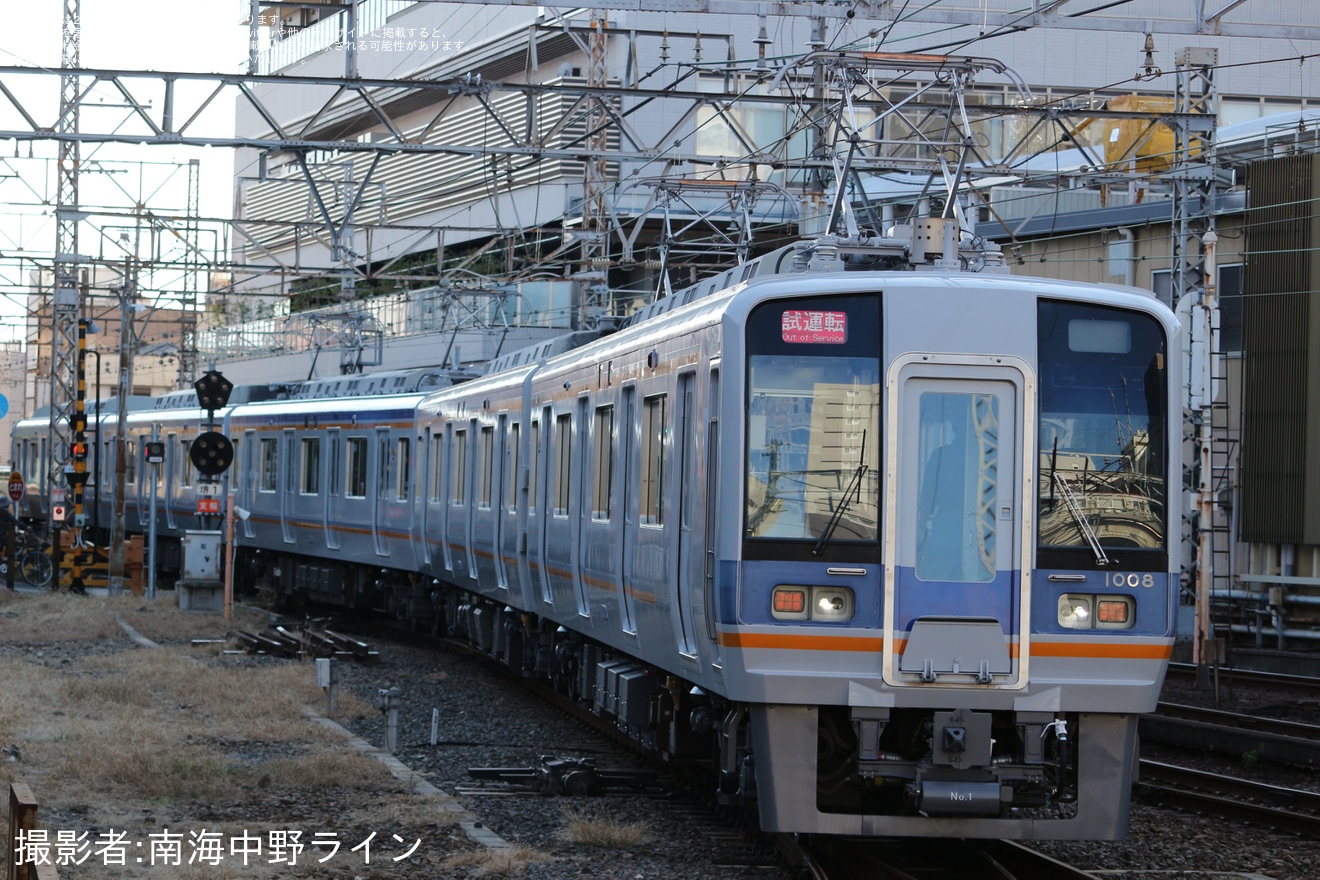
<point x="16" y="486"/>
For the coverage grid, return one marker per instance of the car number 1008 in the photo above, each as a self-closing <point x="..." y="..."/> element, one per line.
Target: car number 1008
<point x="1133" y="580"/>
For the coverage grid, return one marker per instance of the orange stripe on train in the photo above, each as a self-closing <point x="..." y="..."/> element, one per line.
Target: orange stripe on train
<point x="1085" y="650"/>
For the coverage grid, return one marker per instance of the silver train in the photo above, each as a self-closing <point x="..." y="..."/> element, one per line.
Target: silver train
<point x="892" y="551"/>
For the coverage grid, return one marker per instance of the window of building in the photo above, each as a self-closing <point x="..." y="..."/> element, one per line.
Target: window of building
<point x="1229" y="293"/>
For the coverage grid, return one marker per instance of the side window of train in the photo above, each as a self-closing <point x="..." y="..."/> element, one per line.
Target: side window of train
<point x="384" y="464"/>
<point x="130" y="461"/>
<point x="269" y="465"/>
<point x="311" y="466"/>
<point x="290" y="466"/>
<point x="563" y="457"/>
<point x="533" y="466"/>
<point x="653" y="460"/>
<point x="486" y="467"/>
<point x="356" y="484"/>
<point x="405" y="468"/>
<point x="602" y="479"/>
<point x="458" y="471"/>
<point x="437" y="467"/>
<point x="511" y="471"/>
<point x="332" y="472"/>
<point x="185" y="447"/>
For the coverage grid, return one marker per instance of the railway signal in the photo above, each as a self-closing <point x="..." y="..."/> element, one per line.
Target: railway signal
<point x="213" y="391"/>
<point x="211" y="453"/>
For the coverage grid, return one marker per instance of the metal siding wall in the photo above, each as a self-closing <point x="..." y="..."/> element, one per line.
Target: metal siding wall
<point x="1310" y="257"/>
<point x="1281" y="413"/>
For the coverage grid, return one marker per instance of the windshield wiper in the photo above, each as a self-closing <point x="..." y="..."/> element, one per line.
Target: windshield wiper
<point x="1079" y="516"/>
<point x="854" y="485"/>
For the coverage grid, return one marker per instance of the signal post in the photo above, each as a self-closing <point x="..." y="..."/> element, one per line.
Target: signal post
<point x="211" y="454"/>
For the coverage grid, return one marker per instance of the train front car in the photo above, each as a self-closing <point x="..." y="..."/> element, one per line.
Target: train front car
<point x="951" y="589"/>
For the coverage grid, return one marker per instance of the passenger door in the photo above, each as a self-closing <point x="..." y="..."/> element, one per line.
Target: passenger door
<point x="956" y="528"/>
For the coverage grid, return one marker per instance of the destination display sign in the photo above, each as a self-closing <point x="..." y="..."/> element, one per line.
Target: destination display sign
<point x="812" y="326"/>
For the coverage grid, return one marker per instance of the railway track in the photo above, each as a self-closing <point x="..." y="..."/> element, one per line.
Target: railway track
<point x="1271" y="806"/>
<point x="1227" y="675"/>
<point x="1233" y="733"/>
<point x="735" y="844"/>
<point x="903" y="859"/>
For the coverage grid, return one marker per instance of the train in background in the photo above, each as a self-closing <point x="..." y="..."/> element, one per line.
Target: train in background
<point x="893" y="551"/>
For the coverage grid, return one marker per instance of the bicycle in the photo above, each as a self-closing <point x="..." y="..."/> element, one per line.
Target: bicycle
<point x="34" y="563"/>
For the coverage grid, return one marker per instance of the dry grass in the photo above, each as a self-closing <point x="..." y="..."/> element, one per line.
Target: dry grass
<point x="113" y="735"/>
<point x="43" y="618"/>
<point x="322" y="770"/>
<point x="498" y="862"/>
<point x="586" y="830"/>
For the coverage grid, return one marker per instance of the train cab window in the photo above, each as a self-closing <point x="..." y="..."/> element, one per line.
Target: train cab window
<point x="311" y="465"/>
<point x="813" y="426"/>
<point x="405" y="468"/>
<point x="356" y="460"/>
<point x="653" y="460"/>
<point x="603" y="478"/>
<point x="1102" y="437"/>
<point x="270" y="456"/>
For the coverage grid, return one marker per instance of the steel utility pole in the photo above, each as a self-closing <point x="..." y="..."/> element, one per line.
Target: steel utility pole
<point x="66" y="303"/>
<point x="1195" y="192"/>
<point x="127" y="340"/>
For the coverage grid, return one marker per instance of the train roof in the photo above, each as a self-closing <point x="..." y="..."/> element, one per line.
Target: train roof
<point x="359" y="385"/>
<point x="543" y="350"/>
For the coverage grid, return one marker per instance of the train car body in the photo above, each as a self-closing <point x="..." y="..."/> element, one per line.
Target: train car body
<point x="891" y="551"/>
<point x="328" y="481"/>
<point x="910" y="528"/>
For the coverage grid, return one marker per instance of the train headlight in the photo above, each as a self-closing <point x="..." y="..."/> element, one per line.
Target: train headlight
<point x="824" y="604"/>
<point x="832" y="604"/>
<point x="1075" y="612"/>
